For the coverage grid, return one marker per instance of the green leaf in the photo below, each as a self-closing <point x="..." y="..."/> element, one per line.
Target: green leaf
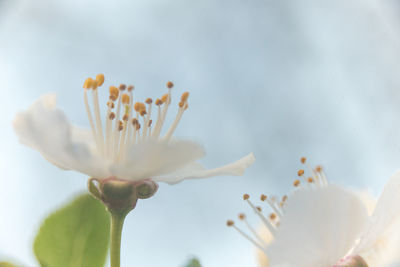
<point x="76" y="235"/>
<point x="193" y="263"/>
<point x="7" y="264"/>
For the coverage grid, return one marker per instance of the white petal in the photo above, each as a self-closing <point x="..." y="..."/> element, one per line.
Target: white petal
<point x="196" y="170"/>
<point x="318" y="228"/>
<point x="46" y="129"/>
<point x="387" y="211"/>
<point x="152" y="158"/>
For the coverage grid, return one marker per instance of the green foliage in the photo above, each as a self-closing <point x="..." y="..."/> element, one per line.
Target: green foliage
<point x="7" y="264"/>
<point x="75" y="235"/>
<point x="193" y="263"/>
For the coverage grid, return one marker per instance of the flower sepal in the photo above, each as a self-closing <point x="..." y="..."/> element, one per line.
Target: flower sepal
<point x="121" y="195"/>
<point x="352" y="261"/>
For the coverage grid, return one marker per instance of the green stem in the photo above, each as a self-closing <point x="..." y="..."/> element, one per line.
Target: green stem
<point x="117" y="222"/>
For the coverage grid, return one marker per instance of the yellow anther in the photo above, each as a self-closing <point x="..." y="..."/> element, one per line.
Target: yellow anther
<point x="184" y="96"/>
<point x="246" y="196"/>
<point x="149" y="101"/>
<point x="114" y="93"/>
<point x="111" y="116"/>
<point x="125" y="117"/>
<point x="95" y="85"/>
<point x="122" y="87"/>
<point x="272" y="216"/>
<point x="186" y="106"/>
<point x="138" y="126"/>
<point x="88" y="83"/>
<point x="242" y="216"/>
<point x="181" y="104"/>
<point x="300" y="172"/>
<point x="318" y="168"/>
<point x="120" y="126"/>
<point x="100" y="79"/>
<point x="310" y="180"/>
<point x="125" y="99"/>
<point x="303" y="160"/>
<point x="135" y="121"/>
<point x="284" y="198"/>
<point x="263" y="197"/>
<point x="159" y="102"/>
<point x="164" y="98"/>
<point x="259" y="209"/>
<point x="110" y="104"/>
<point x="139" y="106"/>
<point x="170" y="85"/>
<point x="230" y="223"/>
<point x="296" y="183"/>
<point x="130" y="88"/>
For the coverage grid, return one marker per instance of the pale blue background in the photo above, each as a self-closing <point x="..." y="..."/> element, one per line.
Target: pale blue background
<point x="280" y="78"/>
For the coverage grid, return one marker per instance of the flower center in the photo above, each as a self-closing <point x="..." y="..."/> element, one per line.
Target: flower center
<point x="127" y="123"/>
<point x="277" y="205"/>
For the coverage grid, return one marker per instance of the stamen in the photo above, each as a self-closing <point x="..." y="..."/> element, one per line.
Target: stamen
<point x="272" y="205"/>
<point x="170" y="84"/>
<point x="158" y="102"/>
<point x="114" y="93"/>
<point x="296" y="183"/>
<point x="164" y="98"/>
<point x="116" y="133"/>
<point x="122" y="87"/>
<point x="321" y="174"/>
<point x="100" y="79"/>
<point x="87" y="85"/>
<point x="135" y="123"/>
<point x="125" y="99"/>
<point x="182" y="108"/>
<point x="303" y="160"/>
<point x="97" y="115"/>
<point x="130" y="88"/>
<point x="264" y="220"/>
<point x="161" y="118"/>
<point x="231" y="223"/>
<point x="242" y="217"/>
<point x="300" y="173"/>
<point x="120" y="126"/>
<point x="148" y="101"/>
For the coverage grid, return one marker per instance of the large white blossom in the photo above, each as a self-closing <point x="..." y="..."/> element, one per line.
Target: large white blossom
<point x="324" y="225"/>
<point x="125" y="145"/>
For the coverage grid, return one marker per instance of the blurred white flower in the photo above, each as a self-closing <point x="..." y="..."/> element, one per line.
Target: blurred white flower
<point x="128" y="146"/>
<point x="325" y="225"/>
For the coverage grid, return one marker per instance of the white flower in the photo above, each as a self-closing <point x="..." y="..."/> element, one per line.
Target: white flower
<point x="325" y="225"/>
<point x="125" y="145"/>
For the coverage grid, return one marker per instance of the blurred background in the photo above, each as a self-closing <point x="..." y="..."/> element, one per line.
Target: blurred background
<point x="283" y="79"/>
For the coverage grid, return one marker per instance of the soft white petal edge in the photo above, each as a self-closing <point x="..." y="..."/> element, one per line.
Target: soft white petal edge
<point x="46" y="129"/>
<point x="196" y="171"/>
<point x="386" y="212"/>
<point x="318" y="228"/>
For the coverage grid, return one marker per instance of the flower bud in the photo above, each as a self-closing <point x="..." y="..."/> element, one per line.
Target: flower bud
<point x="121" y="195"/>
<point x="146" y="189"/>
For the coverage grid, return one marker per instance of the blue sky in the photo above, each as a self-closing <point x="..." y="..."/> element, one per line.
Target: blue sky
<point x="283" y="79"/>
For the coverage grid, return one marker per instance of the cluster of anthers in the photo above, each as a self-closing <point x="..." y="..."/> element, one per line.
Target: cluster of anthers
<point x="277" y="205"/>
<point x="127" y="123"/>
